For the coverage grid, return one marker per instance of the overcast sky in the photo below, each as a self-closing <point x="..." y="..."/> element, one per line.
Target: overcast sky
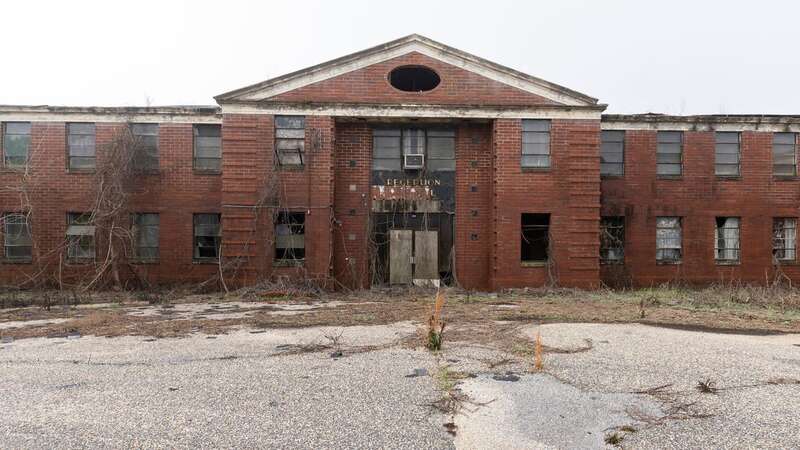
<point x="679" y="57"/>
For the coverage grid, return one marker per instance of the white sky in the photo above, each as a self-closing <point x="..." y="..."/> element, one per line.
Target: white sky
<point x="679" y="57"/>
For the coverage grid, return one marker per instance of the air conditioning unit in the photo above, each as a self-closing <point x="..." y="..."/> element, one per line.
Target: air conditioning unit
<point x="414" y="161"/>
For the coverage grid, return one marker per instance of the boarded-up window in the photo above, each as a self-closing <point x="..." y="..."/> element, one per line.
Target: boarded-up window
<point x="669" y="239"/>
<point x="669" y="153"/>
<point x="535" y="144"/>
<point x="612" y="153"/>
<point x="387" y="153"/>
<point x="145" y="136"/>
<point x="727" y="153"/>
<point x="784" y="239"/>
<point x="535" y="237"/>
<point x="80" y="236"/>
<point x="207" y="236"/>
<point x="16" y="237"/>
<point x="784" y="154"/>
<point x="612" y="240"/>
<point x="208" y="148"/>
<point x="81" y="145"/>
<point x="290" y="134"/>
<point x="16" y="143"/>
<point x="290" y="240"/>
<point x="145" y="236"/>
<point x="726" y="246"/>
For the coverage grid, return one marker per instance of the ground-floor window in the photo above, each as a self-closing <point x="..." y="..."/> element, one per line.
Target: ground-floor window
<point x="290" y="239"/>
<point x="784" y="238"/>
<point x="16" y="237"/>
<point x="145" y="236"/>
<point x="207" y="236"/>
<point x="668" y="239"/>
<point x="727" y="239"/>
<point x="612" y="240"/>
<point x="80" y="236"/>
<point x="535" y="237"/>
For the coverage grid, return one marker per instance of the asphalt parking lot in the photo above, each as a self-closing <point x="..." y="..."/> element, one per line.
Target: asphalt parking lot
<point x="291" y="388"/>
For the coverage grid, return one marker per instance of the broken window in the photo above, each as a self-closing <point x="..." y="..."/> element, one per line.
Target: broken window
<point x="208" y="148"/>
<point x="784" y="154"/>
<point x="145" y="136"/>
<point x="535" y="144"/>
<point x="414" y="78"/>
<point x="81" y="145"/>
<point x="612" y="240"/>
<point x="290" y="241"/>
<point x="80" y="236"/>
<point x="669" y="238"/>
<point x="612" y="153"/>
<point x="290" y="144"/>
<point x="727" y="153"/>
<point x="145" y="236"/>
<point x="784" y="239"/>
<point x="16" y="143"/>
<point x="727" y="239"/>
<point x="207" y="236"/>
<point x="669" y="153"/>
<point x="16" y="237"/>
<point x="535" y="237"/>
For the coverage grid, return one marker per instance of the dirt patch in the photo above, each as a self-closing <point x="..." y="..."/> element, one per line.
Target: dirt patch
<point x="469" y="317"/>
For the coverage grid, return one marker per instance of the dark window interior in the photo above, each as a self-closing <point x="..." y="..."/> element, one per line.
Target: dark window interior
<point x="535" y="237"/>
<point x="290" y="230"/>
<point x="414" y="79"/>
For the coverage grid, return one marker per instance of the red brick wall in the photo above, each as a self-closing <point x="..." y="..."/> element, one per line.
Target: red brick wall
<point x="175" y="193"/>
<point x="352" y="207"/>
<point x="371" y="85"/>
<point x="254" y="188"/>
<point x="569" y="192"/>
<point x="699" y="197"/>
<point x="473" y="206"/>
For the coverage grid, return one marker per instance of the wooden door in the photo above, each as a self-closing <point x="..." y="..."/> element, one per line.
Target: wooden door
<point x="400" y="251"/>
<point x="426" y="255"/>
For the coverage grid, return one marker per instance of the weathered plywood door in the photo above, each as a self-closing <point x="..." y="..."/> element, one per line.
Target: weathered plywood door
<point x="426" y="255"/>
<point x="400" y="256"/>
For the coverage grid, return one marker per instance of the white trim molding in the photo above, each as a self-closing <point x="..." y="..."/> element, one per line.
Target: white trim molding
<point x="413" y="111"/>
<point x="766" y="124"/>
<point x="200" y="114"/>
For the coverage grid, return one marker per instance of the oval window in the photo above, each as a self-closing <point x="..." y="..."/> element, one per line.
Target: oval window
<point x="414" y="78"/>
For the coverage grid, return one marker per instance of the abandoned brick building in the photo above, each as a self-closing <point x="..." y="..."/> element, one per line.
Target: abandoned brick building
<point x="407" y="162"/>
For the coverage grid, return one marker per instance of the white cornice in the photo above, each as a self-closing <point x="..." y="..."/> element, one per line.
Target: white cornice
<point x="413" y="111"/>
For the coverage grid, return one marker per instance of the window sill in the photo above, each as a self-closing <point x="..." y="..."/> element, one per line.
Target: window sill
<point x="288" y="263"/>
<point x="13" y="169"/>
<point x="81" y="171"/>
<point x="147" y="173"/>
<point x="79" y="261"/>
<point x="533" y="263"/>
<point x="292" y="168"/>
<point x="214" y="261"/>
<point x="781" y="263"/>
<point x="728" y="177"/>
<point x="669" y="263"/>
<point x="16" y="261"/>
<point x="144" y="261"/>
<point x="206" y="172"/>
<point x="536" y="169"/>
<point x="612" y="262"/>
<point x="669" y="177"/>
<point x="612" y="177"/>
<point x="785" y="178"/>
<point x="727" y="263"/>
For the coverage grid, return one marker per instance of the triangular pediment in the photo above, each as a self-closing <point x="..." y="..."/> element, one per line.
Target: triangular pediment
<point x="413" y="46"/>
